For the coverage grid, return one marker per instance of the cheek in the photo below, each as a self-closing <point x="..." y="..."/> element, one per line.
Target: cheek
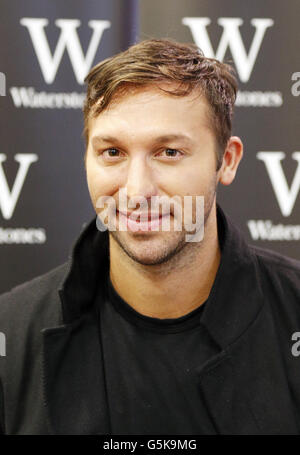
<point x="195" y="181"/>
<point x="101" y="182"/>
<point x="199" y="176"/>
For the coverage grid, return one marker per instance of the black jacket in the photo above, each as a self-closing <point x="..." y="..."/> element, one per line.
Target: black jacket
<point x="52" y="378"/>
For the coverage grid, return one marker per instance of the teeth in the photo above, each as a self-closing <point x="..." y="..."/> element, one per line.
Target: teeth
<point x="143" y="218"/>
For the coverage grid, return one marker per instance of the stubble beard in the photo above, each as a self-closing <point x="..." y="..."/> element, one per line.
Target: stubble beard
<point x="163" y="248"/>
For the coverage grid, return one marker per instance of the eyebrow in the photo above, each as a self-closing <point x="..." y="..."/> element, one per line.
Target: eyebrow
<point x="159" y="139"/>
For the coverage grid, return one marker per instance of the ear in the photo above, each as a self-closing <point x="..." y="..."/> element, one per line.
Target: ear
<point x="231" y="160"/>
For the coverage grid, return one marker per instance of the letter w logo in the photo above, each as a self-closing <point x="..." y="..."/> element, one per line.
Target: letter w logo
<point x="8" y="199"/>
<point x="231" y="38"/>
<point x="286" y="196"/>
<point x="68" y="39"/>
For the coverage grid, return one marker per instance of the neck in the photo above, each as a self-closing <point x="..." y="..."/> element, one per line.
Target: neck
<point x="168" y="290"/>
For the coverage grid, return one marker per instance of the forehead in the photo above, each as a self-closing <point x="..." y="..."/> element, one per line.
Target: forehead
<point x="152" y="107"/>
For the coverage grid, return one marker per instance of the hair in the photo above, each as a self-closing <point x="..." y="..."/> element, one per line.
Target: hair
<point x="157" y="61"/>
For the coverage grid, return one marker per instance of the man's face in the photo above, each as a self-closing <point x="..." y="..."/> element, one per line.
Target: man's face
<point x="152" y="144"/>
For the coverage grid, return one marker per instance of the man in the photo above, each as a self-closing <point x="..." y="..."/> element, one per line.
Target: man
<point x="146" y="330"/>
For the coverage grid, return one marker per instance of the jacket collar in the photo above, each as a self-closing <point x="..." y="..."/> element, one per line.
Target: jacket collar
<point x="223" y="316"/>
<point x="236" y="296"/>
<point x="88" y="261"/>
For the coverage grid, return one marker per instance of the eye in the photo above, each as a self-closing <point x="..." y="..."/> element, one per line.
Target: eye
<point x="171" y="154"/>
<point x="110" y="154"/>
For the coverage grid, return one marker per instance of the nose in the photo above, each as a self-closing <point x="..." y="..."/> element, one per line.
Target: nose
<point x="140" y="184"/>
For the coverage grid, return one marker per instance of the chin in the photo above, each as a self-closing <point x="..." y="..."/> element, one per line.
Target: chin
<point x="147" y="260"/>
<point x="150" y="251"/>
<point x="150" y="256"/>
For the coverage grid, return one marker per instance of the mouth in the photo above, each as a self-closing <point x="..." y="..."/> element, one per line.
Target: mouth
<point x="141" y="221"/>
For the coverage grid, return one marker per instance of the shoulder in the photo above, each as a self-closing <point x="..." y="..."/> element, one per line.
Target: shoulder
<point x="279" y="273"/>
<point x="37" y="296"/>
<point x="24" y="311"/>
<point x="275" y="261"/>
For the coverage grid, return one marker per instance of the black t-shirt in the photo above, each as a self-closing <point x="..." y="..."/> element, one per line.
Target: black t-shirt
<point x="149" y="367"/>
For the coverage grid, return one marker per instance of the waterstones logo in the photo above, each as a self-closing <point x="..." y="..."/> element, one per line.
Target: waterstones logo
<point x="232" y="40"/>
<point x="285" y="195"/>
<point x="9" y="198"/>
<point x="27" y="97"/>
<point x="49" y="62"/>
<point x="68" y="40"/>
<point x="266" y="230"/>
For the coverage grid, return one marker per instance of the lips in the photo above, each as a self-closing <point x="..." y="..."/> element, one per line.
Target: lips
<point x="145" y="216"/>
<point x="142" y="221"/>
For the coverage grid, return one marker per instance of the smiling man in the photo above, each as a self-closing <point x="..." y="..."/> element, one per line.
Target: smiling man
<point x="154" y="144"/>
<point x="150" y="328"/>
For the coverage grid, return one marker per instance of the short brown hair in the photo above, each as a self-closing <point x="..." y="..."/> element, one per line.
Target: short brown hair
<point x="164" y="60"/>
